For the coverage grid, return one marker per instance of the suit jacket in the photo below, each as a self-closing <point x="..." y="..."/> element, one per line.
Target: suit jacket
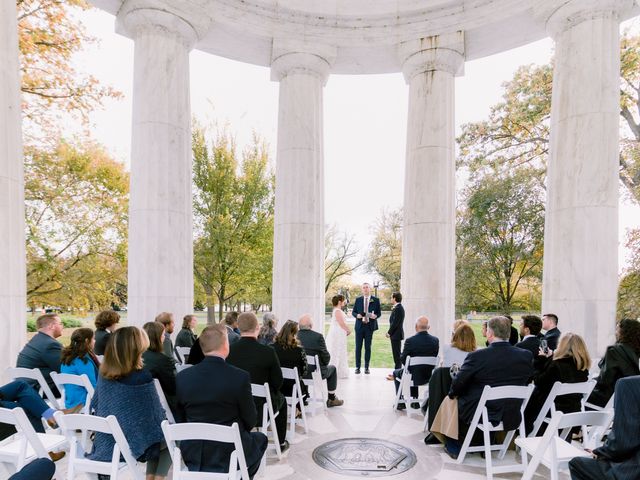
<point x="167" y="345"/>
<point x="262" y="365"/>
<point x="42" y="352"/>
<point x="552" y="337"/>
<point x="232" y="335"/>
<point x="621" y="450"/>
<point x="215" y="392"/>
<point x="296" y="358"/>
<point x="358" y="308"/>
<point x="513" y="337"/>
<point x="619" y="361"/>
<point x="314" y="344"/>
<point x="532" y="344"/>
<point x="422" y="344"/>
<point x="164" y="369"/>
<point x="396" y="323"/>
<point x="497" y="365"/>
<point x="102" y="336"/>
<point x="186" y="338"/>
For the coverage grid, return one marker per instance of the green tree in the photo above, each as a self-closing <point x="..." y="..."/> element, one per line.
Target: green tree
<point x="76" y="200"/>
<point x="385" y="253"/>
<point x="49" y="35"/>
<point x="500" y="240"/>
<point x="629" y="290"/>
<point x="233" y="217"/>
<point x="340" y="256"/>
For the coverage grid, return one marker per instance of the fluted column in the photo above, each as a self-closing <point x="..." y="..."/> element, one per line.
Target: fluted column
<point x="428" y="244"/>
<point x="160" y="208"/>
<point x="580" y="278"/>
<point x="298" y="253"/>
<point x="12" y="240"/>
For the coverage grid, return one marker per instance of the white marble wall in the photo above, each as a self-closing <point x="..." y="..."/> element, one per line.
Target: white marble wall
<point x="580" y="277"/>
<point x="160" y="211"/>
<point x="298" y="257"/>
<point x="428" y="244"/>
<point x="12" y="240"/>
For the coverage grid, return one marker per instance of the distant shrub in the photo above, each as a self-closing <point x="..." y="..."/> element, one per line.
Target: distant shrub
<point x="31" y="325"/>
<point x="71" y="323"/>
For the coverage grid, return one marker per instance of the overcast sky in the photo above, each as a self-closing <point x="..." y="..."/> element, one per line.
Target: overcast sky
<point x="364" y="118"/>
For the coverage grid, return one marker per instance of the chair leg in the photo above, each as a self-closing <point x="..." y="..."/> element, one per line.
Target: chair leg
<point x="487" y="452"/>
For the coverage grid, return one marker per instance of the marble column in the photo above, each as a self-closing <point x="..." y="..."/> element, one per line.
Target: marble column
<point x="298" y="255"/>
<point x="580" y="278"/>
<point x="160" y="209"/>
<point x="428" y="244"/>
<point x="12" y="240"/>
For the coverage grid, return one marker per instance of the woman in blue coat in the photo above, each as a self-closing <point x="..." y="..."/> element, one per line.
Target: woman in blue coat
<point x="78" y="358"/>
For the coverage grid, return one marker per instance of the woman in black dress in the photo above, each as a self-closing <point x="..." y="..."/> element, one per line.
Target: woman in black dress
<point x="291" y="355"/>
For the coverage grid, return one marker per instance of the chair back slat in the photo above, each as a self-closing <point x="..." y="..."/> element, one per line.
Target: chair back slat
<point x="289" y="373"/>
<point x="163" y="401"/>
<point x="431" y="361"/>
<point x="200" y="431"/>
<point x="15" y="373"/>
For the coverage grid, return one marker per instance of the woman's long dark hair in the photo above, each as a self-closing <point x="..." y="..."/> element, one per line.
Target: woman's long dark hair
<point x="79" y="347"/>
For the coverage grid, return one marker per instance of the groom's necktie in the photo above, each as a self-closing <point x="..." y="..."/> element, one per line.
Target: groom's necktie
<point x="366" y="309"/>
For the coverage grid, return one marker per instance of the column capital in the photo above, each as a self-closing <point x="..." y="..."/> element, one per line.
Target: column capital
<point x="289" y="57"/>
<point x="436" y="53"/>
<point x="135" y="17"/>
<point x="560" y="15"/>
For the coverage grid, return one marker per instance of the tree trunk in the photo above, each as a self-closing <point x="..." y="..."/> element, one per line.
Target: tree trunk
<point x="220" y="302"/>
<point x="211" y="305"/>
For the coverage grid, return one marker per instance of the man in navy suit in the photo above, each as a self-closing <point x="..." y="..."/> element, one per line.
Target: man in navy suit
<point x="215" y="392"/>
<point x="497" y="365"/>
<point x="43" y="350"/>
<point x="396" y="329"/>
<point x="619" y="457"/>
<point x="366" y="310"/>
<point x="552" y="334"/>
<point x="530" y="327"/>
<point x="422" y="344"/>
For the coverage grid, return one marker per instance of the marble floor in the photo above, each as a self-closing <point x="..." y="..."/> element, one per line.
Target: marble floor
<point x="368" y="412"/>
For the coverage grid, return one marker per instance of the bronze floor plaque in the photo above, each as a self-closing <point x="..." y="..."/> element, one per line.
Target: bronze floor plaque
<point x="364" y="457"/>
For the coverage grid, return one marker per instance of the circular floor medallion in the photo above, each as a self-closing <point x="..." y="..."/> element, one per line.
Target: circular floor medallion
<point x="364" y="457"/>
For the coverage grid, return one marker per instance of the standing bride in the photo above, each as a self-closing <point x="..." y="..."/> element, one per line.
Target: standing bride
<point x="337" y="337"/>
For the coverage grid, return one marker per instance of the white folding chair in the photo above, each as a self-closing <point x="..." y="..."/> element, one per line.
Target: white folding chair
<point x="16" y="373"/>
<point x="79" y="463"/>
<point x="608" y="406"/>
<point x="552" y="450"/>
<point x="268" y="417"/>
<point x="183" y="366"/>
<point x="559" y="389"/>
<point x="318" y="389"/>
<point x="62" y="379"/>
<point x="163" y="401"/>
<point x="295" y="400"/>
<point x="209" y="432"/>
<point x="594" y="371"/>
<point x="489" y="394"/>
<point x="25" y="445"/>
<point x="100" y="358"/>
<point x="182" y="354"/>
<point x="403" y="395"/>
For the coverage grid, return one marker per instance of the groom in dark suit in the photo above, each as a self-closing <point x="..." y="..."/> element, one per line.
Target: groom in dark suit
<point x="396" y="329"/>
<point x="366" y="310"/>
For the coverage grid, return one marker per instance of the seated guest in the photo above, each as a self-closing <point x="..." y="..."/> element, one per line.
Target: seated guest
<point x="513" y="338"/>
<point x="263" y="367"/>
<point x="497" y="365"/>
<point x="126" y="391"/>
<point x="187" y="336"/>
<point x="550" y="326"/>
<point x="530" y="327"/>
<point x="167" y="321"/>
<point x="484" y="332"/>
<point x="43" y="350"/>
<point x="291" y="355"/>
<point x="619" y="457"/>
<point x="570" y="364"/>
<point x="462" y="342"/>
<point x="268" y="330"/>
<point x="620" y="360"/>
<point x="231" y="322"/>
<point x="105" y="323"/>
<point x="314" y="345"/>
<point x="20" y="394"/>
<point x="158" y="364"/>
<point x="77" y="359"/>
<point x="422" y="344"/>
<point x="223" y="402"/>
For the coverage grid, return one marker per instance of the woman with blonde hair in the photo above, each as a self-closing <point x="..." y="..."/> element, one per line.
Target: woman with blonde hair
<point x="127" y="391"/>
<point x="570" y="363"/>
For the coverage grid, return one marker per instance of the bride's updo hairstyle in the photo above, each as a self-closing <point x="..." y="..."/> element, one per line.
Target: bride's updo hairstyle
<point x="337" y="299"/>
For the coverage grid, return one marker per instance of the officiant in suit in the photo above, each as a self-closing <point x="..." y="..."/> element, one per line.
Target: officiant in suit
<point x="366" y="311"/>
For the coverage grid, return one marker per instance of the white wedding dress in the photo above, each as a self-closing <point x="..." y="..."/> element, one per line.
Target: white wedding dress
<point x="337" y="346"/>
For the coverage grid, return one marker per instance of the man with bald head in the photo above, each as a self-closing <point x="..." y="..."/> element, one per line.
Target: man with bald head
<point x="314" y="344"/>
<point x="224" y="401"/>
<point x="422" y="344"/>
